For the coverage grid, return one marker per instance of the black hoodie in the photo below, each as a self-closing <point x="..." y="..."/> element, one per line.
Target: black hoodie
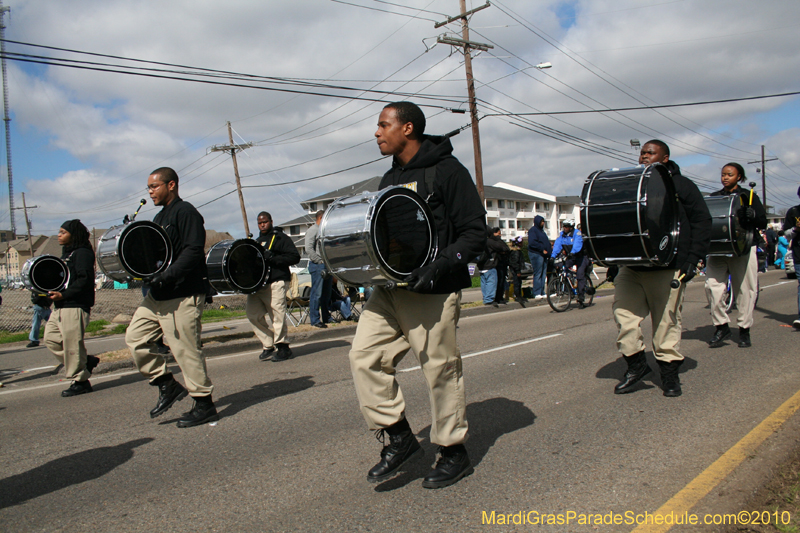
<point x="456" y="205"/>
<point x="284" y="254"/>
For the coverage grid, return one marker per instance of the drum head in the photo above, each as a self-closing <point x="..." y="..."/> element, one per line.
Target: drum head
<point x="245" y="265"/>
<point x="403" y="232"/>
<point x="144" y="249"/>
<point x="47" y="273"/>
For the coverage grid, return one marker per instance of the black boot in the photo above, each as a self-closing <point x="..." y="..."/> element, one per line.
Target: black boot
<point x="402" y="446"/>
<point x="282" y="354"/>
<point x="637" y="369"/>
<point x="203" y="411"/>
<point x="744" y="338"/>
<point x="169" y="392"/>
<point x="723" y="332"/>
<point x="453" y="464"/>
<point x="77" y="387"/>
<point x="670" y="381"/>
<point x="91" y="363"/>
<point x="266" y="353"/>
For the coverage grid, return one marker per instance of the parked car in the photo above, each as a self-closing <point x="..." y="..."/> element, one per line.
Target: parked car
<point x="301" y="269"/>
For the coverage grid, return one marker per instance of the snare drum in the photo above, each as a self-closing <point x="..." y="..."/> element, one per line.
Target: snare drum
<point x="375" y="237"/>
<point x="237" y="266"/>
<point x="45" y="273"/>
<point x="137" y="250"/>
<point x="630" y="216"/>
<point x="728" y="237"/>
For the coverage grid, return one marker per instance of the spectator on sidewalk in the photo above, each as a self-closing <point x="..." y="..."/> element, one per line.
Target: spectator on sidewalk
<point x="539" y="251"/>
<point x="516" y="265"/>
<point x="502" y="270"/>
<point x="321" y="281"/>
<point x="41" y="314"/>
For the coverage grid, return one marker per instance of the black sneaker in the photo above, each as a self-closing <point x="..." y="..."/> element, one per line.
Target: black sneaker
<point x="283" y="353"/>
<point x="77" y="387"/>
<point x="91" y="363"/>
<point x="722" y="333"/>
<point x="319" y="325"/>
<point x="203" y="411"/>
<point x="170" y="391"/>
<point x="453" y="464"/>
<point x="401" y="448"/>
<point x="266" y="354"/>
<point x="32" y="344"/>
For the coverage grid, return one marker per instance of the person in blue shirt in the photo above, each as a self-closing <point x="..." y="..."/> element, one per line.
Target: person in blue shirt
<point x="570" y="244"/>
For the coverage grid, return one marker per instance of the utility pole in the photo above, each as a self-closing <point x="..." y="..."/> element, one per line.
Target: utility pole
<point x="27" y="220"/>
<point x="763" y="176"/>
<point x="233" y="148"/>
<point x="473" y="108"/>
<point x="6" y="118"/>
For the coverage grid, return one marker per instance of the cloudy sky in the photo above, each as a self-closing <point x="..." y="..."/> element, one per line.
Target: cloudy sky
<point x="83" y="141"/>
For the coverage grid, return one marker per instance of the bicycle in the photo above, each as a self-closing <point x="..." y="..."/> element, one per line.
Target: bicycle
<point x="563" y="287"/>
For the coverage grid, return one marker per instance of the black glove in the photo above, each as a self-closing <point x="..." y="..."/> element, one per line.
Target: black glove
<point x="687" y="271"/>
<point x="156" y="282"/>
<point x="612" y="272"/>
<point x="746" y="213"/>
<point x="423" y="278"/>
<point x="267" y="255"/>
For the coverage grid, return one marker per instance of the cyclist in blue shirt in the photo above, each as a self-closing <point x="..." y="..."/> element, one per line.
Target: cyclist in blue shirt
<point x="570" y="244"/>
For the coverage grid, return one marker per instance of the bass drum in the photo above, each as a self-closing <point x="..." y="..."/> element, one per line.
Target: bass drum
<point x="45" y="273"/>
<point x="728" y="237"/>
<point x="629" y="216"/>
<point x="375" y="237"/>
<point x="136" y="250"/>
<point x="237" y="266"/>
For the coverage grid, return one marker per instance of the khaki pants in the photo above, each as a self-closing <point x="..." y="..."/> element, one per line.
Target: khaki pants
<point x="637" y="294"/>
<point x="179" y="321"/>
<point x="744" y="283"/>
<point x="63" y="335"/>
<point x="392" y="323"/>
<point x="271" y="300"/>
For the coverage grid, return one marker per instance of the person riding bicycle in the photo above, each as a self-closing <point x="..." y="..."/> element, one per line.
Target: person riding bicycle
<point x="570" y="244"/>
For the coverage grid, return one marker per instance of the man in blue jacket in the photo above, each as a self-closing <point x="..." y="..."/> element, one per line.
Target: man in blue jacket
<point x="570" y="244"/>
<point x="539" y="249"/>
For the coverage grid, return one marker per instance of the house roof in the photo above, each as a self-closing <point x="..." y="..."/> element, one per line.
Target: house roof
<point x="501" y="193"/>
<point x="370" y="184"/>
<point x="49" y="247"/>
<point x="303" y="219"/>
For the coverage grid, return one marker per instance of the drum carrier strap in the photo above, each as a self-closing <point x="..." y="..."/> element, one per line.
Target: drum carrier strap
<point x="430" y="175"/>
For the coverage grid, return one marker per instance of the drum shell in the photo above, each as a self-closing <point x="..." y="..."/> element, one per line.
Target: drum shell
<point x="630" y="216"/>
<point x="136" y="250"/>
<point x="237" y="267"/>
<point x="361" y="246"/>
<point x="45" y="273"/>
<point x="728" y="237"/>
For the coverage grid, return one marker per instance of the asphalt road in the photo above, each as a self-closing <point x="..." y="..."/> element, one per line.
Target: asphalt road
<point x="291" y="450"/>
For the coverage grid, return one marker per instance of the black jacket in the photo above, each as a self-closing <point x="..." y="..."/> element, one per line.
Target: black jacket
<point x="80" y="289"/>
<point x="694" y="237"/>
<point x="456" y="205"/>
<point x="761" y="214"/>
<point x="284" y="254"/>
<point x="515" y="262"/>
<point x="791" y="222"/>
<point x="187" y="274"/>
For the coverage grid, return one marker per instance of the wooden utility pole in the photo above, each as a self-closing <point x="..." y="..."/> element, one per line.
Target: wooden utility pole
<point x="233" y="148"/>
<point x="763" y="176"/>
<point x="473" y="107"/>
<point x="27" y="220"/>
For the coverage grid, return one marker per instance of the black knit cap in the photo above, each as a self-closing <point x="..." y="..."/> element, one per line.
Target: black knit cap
<point x="80" y="235"/>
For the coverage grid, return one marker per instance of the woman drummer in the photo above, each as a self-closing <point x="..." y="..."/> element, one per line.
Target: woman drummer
<point x="63" y="334"/>
<point x="743" y="270"/>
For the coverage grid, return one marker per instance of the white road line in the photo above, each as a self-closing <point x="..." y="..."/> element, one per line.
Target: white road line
<point x="776" y="284"/>
<point x="497" y="349"/>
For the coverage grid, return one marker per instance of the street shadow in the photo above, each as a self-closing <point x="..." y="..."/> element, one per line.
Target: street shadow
<point x="488" y="421"/>
<point x="314" y="347"/>
<point x="65" y="471"/>
<point x="615" y="370"/>
<point x="700" y="333"/>
<point x="228" y="406"/>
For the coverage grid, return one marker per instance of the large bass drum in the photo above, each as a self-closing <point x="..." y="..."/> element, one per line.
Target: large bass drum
<point x="375" y="237"/>
<point x="728" y="237"/>
<point x="629" y="216"/>
<point x="45" y="273"/>
<point x="136" y="250"/>
<point x="237" y="266"/>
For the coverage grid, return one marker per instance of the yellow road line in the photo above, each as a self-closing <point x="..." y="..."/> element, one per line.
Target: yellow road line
<point x="697" y="489"/>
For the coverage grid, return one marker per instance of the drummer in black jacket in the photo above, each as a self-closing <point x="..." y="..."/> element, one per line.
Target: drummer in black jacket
<point x="281" y="253"/>
<point x="643" y="290"/>
<point x="742" y="270"/>
<point x="174" y="306"/>
<point x="423" y="316"/>
<point x="63" y="334"/>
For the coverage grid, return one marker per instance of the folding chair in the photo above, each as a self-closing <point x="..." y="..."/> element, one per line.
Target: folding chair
<point x="297" y="299"/>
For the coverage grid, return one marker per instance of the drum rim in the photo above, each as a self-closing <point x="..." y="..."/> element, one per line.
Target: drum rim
<point x="33" y="261"/>
<point x="224" y="265"/>
<point x="121" y="230"/>
<point x="161" y="233"/>
<point x="735" y="252"/>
